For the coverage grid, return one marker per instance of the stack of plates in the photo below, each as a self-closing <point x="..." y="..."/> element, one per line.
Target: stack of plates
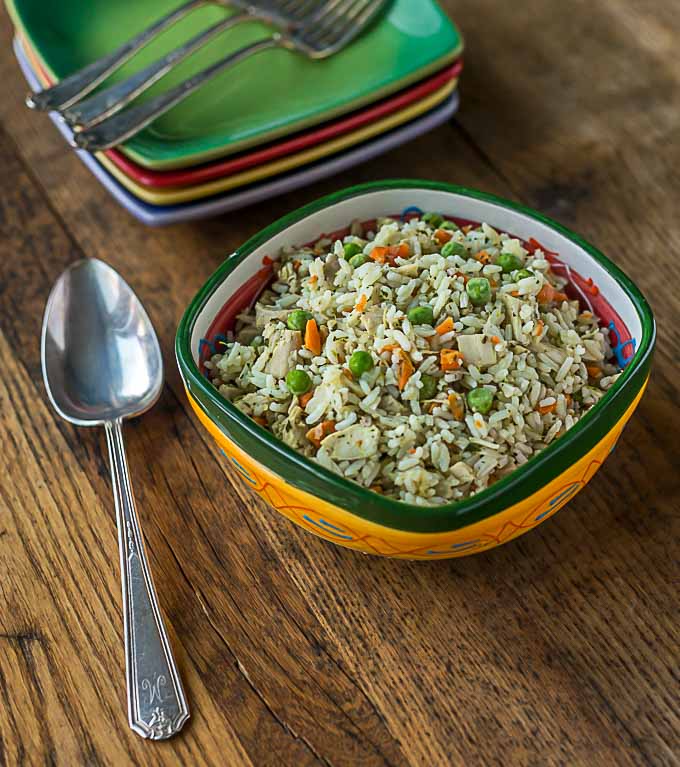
<point x="275" y="122"/>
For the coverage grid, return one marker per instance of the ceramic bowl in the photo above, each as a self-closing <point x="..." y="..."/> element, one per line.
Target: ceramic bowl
<point x="345" y="513"/>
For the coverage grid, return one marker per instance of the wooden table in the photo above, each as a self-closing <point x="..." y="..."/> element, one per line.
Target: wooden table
<point x="558" y="648"/>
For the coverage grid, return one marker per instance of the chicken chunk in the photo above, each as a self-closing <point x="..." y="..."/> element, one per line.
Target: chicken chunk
<point x="331" y="267"/>
<point x="284" y="344"/>
<point x="371" y="318"/>
<point x="462" y="472"/>
<point x="354" y="442"/>
<point x="265" y="314"/>
<point x="513" y="306"/>
<point x="477" y="350"/>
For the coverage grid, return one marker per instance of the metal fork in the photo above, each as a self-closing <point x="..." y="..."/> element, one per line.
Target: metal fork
<point x="88" y="112"/>
<point x="321" y="34"/>
<point x="75" y="87"/>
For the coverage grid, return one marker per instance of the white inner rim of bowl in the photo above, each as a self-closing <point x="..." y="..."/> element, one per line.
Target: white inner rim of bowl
<point x="391" y="202"/>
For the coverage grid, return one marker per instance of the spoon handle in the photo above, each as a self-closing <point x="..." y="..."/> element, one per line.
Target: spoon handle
<point x="157" y="706"/>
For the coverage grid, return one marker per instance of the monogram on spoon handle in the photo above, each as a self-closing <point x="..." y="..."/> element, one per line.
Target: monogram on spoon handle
<point x="157" y="706"/>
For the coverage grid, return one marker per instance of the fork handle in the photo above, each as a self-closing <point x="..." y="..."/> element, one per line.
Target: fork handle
<point x="103" y="104"/>
<point x="120" y="127"/>
<point x="85" y="80"/>
<point x="157" y="707"/>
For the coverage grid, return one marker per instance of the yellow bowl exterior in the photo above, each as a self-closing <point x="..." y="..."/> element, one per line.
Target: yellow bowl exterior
<point x="346" y="529"/>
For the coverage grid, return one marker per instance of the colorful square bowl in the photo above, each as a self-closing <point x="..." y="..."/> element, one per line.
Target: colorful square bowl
<point x="341" y="511"/>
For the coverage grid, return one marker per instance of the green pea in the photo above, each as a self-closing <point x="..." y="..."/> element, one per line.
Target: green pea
<point x="453" y="249"/>
<point x="360" y="363"/>
<point x="433" y="219"/>
<point x="359" y="260"/>
<point x="421" y="315"/>
<point x="429" y="387"/>
<point x="479" y="290"/>
<point x="298" y="382"/>
<point x="522" y="273"/>
<point x="480" y="400"/>
<point x="450" y="225"/>
<point x="508" y="262"/>
<point x="351" y="249"/>
<point x="297" y="320"/>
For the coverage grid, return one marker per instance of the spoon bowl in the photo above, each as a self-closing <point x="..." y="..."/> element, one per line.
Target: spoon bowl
<point x="101" y="357"/>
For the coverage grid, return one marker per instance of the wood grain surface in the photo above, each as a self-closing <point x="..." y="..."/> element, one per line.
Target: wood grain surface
<point x="559" y="648"/>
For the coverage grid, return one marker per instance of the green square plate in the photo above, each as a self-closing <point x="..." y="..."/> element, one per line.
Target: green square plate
<point x="271" y="94"/>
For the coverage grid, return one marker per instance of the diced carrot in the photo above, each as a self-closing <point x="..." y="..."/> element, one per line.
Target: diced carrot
<point x="594" y="371"/>
<point x="514" y="293"/>
<point x="376" y="489"/>
<point x="399" y="251"/>
<point x="361" y="303"/>
<point x="389" y="348"/>
<point x="442" y="236"/>
<point x="543" y="409"/>
<point x="411" y="451"/>
<point x="450" y="359"/>
<point x="379" y="254"/>
<point x="483" y="257"/>
<point x="539" y="328"/>
<point x="495" y="340"/>
<point x="548" y="293"/>
<point x="467" y="228"/>
<point x="533" y="245"/>
<point x="456" y="405"/>
<point x="303" y="399"/>
<point x="312" y="337"/>
<point x="319" y="432"/>
<point x="259" y="419"/>
<point x="405" y="370"/>
<point x="446" y="326"/>
<point x="464" y="276"/>
<point x="313" y="279"/>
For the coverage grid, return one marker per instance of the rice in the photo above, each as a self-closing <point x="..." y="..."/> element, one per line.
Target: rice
<point x="454" y="396"/>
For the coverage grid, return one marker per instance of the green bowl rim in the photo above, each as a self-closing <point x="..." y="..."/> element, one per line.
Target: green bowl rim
<point x="392" y="512"/>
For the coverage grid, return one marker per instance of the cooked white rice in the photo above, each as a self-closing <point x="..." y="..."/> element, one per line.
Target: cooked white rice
<point x="544" y="361"/>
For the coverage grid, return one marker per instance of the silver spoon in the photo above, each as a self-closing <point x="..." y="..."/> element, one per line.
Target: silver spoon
<point x="101" y="363"/>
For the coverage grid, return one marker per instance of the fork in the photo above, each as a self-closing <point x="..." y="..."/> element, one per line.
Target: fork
<point x="79" y="84"/>
<point x="90" y="111"/>
<point x="321" y="34"/>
